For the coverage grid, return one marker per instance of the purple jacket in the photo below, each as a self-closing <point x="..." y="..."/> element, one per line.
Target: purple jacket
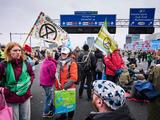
<point x="47" y="72"/>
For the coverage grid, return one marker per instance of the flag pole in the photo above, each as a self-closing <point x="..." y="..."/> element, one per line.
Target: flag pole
<point x="32" y="27"/>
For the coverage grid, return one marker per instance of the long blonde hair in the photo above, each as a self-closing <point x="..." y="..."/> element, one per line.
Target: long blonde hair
<point x="8" y="48"/>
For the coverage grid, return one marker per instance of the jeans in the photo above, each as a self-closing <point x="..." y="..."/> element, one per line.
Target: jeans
<point x="48" y="104"/>
<point x="98" y="75"/>
<point x="21" y="111"/>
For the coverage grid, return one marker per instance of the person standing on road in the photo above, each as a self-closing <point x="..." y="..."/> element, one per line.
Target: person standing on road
<point x="149" y="59"/>
<point x="28" y="51"/>
<point x="139" y="55"/>
<point x="114" y="64"/>
<point x="66" y="75"/>
<point x="77" y="52"/>
<point x="158" y="57"/>
<point x="99" y="64"/>
<point x="47" y="80"/>
<point x="16" y="77"/>
<point x="88" y="63"/>
<point x="109" y="101"/>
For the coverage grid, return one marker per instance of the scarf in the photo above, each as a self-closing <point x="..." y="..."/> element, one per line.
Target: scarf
<point x="60" y="67"/>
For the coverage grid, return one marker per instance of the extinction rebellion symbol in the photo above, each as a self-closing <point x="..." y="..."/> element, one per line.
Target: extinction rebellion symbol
<point x="48" y="31"/>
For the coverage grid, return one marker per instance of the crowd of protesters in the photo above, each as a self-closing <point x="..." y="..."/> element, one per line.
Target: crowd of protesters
<point x="141" y="56"/>
<point x="65" y="69"/>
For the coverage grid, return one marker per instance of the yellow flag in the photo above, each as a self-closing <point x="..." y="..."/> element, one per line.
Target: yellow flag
<point x="105" y="42"/>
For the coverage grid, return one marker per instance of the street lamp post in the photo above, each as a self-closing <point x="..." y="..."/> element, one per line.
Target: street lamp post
<point x="10" y="34"/>
<point x="16" y="34"/>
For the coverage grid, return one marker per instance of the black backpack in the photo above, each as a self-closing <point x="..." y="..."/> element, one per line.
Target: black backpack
<point x="86" y="62"/>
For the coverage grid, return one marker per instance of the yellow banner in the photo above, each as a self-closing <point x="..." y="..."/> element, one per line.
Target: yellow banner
<point x="106" y="40"/>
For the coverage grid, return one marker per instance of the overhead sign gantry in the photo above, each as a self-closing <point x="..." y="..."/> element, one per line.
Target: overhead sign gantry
<point x="141" y="20"/>
<point x="87" y="23"/>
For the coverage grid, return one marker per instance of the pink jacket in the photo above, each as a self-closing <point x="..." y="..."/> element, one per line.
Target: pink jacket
<point x="113" y="62"/>
<point x="47" y="72"/>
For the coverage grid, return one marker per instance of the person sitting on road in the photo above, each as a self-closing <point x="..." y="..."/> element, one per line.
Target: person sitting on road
<point x="109" y="101"/>
<point x="139" y="77"/>
<point x="131" y="70"/>
<point x="124" y="78"/>
<point x="132" y="60"/>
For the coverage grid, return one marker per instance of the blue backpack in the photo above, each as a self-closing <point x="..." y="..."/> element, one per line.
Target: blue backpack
<point x="145" y="90"/>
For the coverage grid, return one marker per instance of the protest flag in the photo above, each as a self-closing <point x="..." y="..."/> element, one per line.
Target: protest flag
<point x="104" y="41"/>
<point x="45" y="29"/>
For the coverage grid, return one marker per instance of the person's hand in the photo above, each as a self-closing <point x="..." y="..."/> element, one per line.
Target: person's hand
<point x="68" y="84"/>
<point x="59" y="84"/>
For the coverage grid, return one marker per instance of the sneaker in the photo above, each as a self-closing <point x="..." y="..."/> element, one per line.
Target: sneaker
<point x="49" y="115"/>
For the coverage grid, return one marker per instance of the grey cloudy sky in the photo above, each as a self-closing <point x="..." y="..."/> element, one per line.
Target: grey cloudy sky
<point x="19" y="15"/>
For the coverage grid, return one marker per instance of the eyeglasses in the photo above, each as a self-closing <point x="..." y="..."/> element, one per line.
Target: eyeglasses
<point x="16" y="50"/>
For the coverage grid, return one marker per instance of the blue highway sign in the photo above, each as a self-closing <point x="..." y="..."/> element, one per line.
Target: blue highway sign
<point x="87" y="20"/>
<point x="141" y="17"/>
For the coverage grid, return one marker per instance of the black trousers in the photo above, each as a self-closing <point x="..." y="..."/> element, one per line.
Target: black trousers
<point x="65" y="117"/>
<point x="87" y="79"/>
<point x="149" y="64"/>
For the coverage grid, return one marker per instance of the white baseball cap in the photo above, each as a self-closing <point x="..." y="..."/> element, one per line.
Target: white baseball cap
<point x="65" y="50"/>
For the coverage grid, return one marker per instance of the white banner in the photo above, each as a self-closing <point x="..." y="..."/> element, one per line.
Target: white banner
<point x="45" y="29"/>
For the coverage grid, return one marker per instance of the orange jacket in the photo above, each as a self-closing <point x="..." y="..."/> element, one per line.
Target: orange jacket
<point x="73" y="75"/>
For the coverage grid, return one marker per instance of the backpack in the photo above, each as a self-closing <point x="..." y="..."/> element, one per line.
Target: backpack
<point x="145" y="90"/>
<point x="99" y="65"/>
<point x="86" y="62"/>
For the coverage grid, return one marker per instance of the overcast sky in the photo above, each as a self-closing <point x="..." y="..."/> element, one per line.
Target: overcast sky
<point x="18" y="16"/>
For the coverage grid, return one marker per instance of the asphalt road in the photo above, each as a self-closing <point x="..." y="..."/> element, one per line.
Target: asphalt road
<point x="141" y="111"/>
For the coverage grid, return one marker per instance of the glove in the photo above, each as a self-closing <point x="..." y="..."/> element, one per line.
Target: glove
<point x="68" y="84"/>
